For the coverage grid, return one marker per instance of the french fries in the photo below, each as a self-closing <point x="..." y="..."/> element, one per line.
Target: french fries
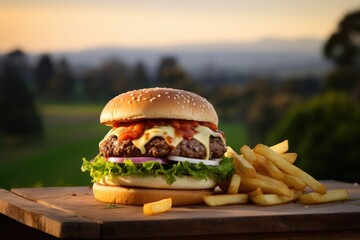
<point x="281" y="147"/>
<point x="290" y="157"/>
<point x="225" y="199"/>
<point x="271" y="169"/>
<point x="157" y="207"/>
<point x="289" y="168"/>
<point x="234" y="184"/>
<point x="329" y="196"/>
<point x="274" y="199"/>
<point x="267" y="176"/>
<point x="267" y="184"/>
<point x="255" y="193"/>
<point x="248" y="154"/>
<point x="241" y="164"/>
<point x="294" y="182"/>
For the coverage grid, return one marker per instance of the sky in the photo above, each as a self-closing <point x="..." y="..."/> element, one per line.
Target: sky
<point x="52" y="25"/>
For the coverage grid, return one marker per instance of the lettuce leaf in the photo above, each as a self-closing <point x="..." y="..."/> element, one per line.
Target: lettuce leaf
<point x="99" y="168"/>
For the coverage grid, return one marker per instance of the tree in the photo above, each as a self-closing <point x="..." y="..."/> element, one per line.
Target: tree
<point x="44" y="71"/>
<point x="343" y="48"/>
<point x="325" y="132"/>
<point x="62" y="82"/>
<point x="171" y="74"/>
<point x="139" y="76"/>
<point x="19" y="118"/>
<point x="107" y="81"/>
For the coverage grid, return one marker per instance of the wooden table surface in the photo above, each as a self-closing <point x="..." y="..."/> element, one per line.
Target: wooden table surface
<point x="72" y="212"/>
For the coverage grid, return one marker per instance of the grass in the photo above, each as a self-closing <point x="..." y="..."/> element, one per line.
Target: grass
<point x="71" y="133"/>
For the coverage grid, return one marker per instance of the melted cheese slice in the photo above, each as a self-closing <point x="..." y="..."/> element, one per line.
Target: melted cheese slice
<point x="203" y="136"/>
<point x="168" y="134"/>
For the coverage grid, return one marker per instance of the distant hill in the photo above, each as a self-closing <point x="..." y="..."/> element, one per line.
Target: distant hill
<point x="270" y="56"/>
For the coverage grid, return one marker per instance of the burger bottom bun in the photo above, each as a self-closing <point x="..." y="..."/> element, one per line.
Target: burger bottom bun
<point x="184" y="182"/>
<point x="140" y="196"/>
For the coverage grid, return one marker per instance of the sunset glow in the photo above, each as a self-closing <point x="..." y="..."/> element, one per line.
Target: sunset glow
<point x="73" y="25"/>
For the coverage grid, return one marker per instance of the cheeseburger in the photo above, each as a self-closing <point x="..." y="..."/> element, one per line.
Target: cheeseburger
<point x="162" y="143"/>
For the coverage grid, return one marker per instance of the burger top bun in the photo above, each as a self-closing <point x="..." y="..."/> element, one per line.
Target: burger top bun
<point x="158" y="103"/>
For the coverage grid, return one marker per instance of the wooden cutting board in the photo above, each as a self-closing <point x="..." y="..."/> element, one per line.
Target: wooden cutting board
<point x="72" y="212"/>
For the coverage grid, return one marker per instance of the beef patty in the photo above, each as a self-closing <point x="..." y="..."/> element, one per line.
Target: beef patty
<point x="157" y="147"/>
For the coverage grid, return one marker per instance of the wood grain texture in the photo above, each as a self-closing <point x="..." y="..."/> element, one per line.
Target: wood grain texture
<point x="49" y="220"/>
<point x="63" y="211"/>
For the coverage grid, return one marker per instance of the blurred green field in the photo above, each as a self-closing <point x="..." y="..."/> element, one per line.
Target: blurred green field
<point x="72" y="131"/>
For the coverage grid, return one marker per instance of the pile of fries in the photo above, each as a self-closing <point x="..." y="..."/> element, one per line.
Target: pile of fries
<point x="266" y="176"/>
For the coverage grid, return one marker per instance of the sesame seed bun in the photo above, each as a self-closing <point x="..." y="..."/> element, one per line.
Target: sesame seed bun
<point x="158" y="103"/>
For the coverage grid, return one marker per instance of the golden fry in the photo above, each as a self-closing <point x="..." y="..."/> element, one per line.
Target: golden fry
<point x="234" y="184"/>
<point x="274" y="199"/>
<point x="225" y="199"/>
<point x="255" y="193"/>
<point x="242" y="166"/>
<point x="267" y="184"/>
<point x="290" y="157"/>
<point x="329" y="196"/>
<point x="294" y="182"/>
<point x="271" y="169"/>
<point x="248" y="154"/>
<point x="289" y="168"/>
<point x="161" y="206"/>
<point x="281" y="147"/>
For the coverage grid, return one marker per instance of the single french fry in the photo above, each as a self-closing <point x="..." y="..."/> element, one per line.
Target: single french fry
<point x="255" y="193"/>
<point x="267" y="184"/>
<point x="289" y="168"/>
<point x="329" y="196"/>
<point x="281" y="147"/>
<point x="234" y="184"/>
<point x="274" y="199"/>
<point x="157" y="207"/>
<point x="294" y="182"/>
<point x="271" y="169"/>
<point x="290" y="157"/>
<point x="248" y="154"/>
<point x="256" y="164"/>
<point x="225" y="199"/>
<point x="242" y="166"/>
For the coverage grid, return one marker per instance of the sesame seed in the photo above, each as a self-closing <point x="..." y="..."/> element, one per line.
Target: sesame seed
<point x="182" y="106"/>
<point x="159" y="95"/>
